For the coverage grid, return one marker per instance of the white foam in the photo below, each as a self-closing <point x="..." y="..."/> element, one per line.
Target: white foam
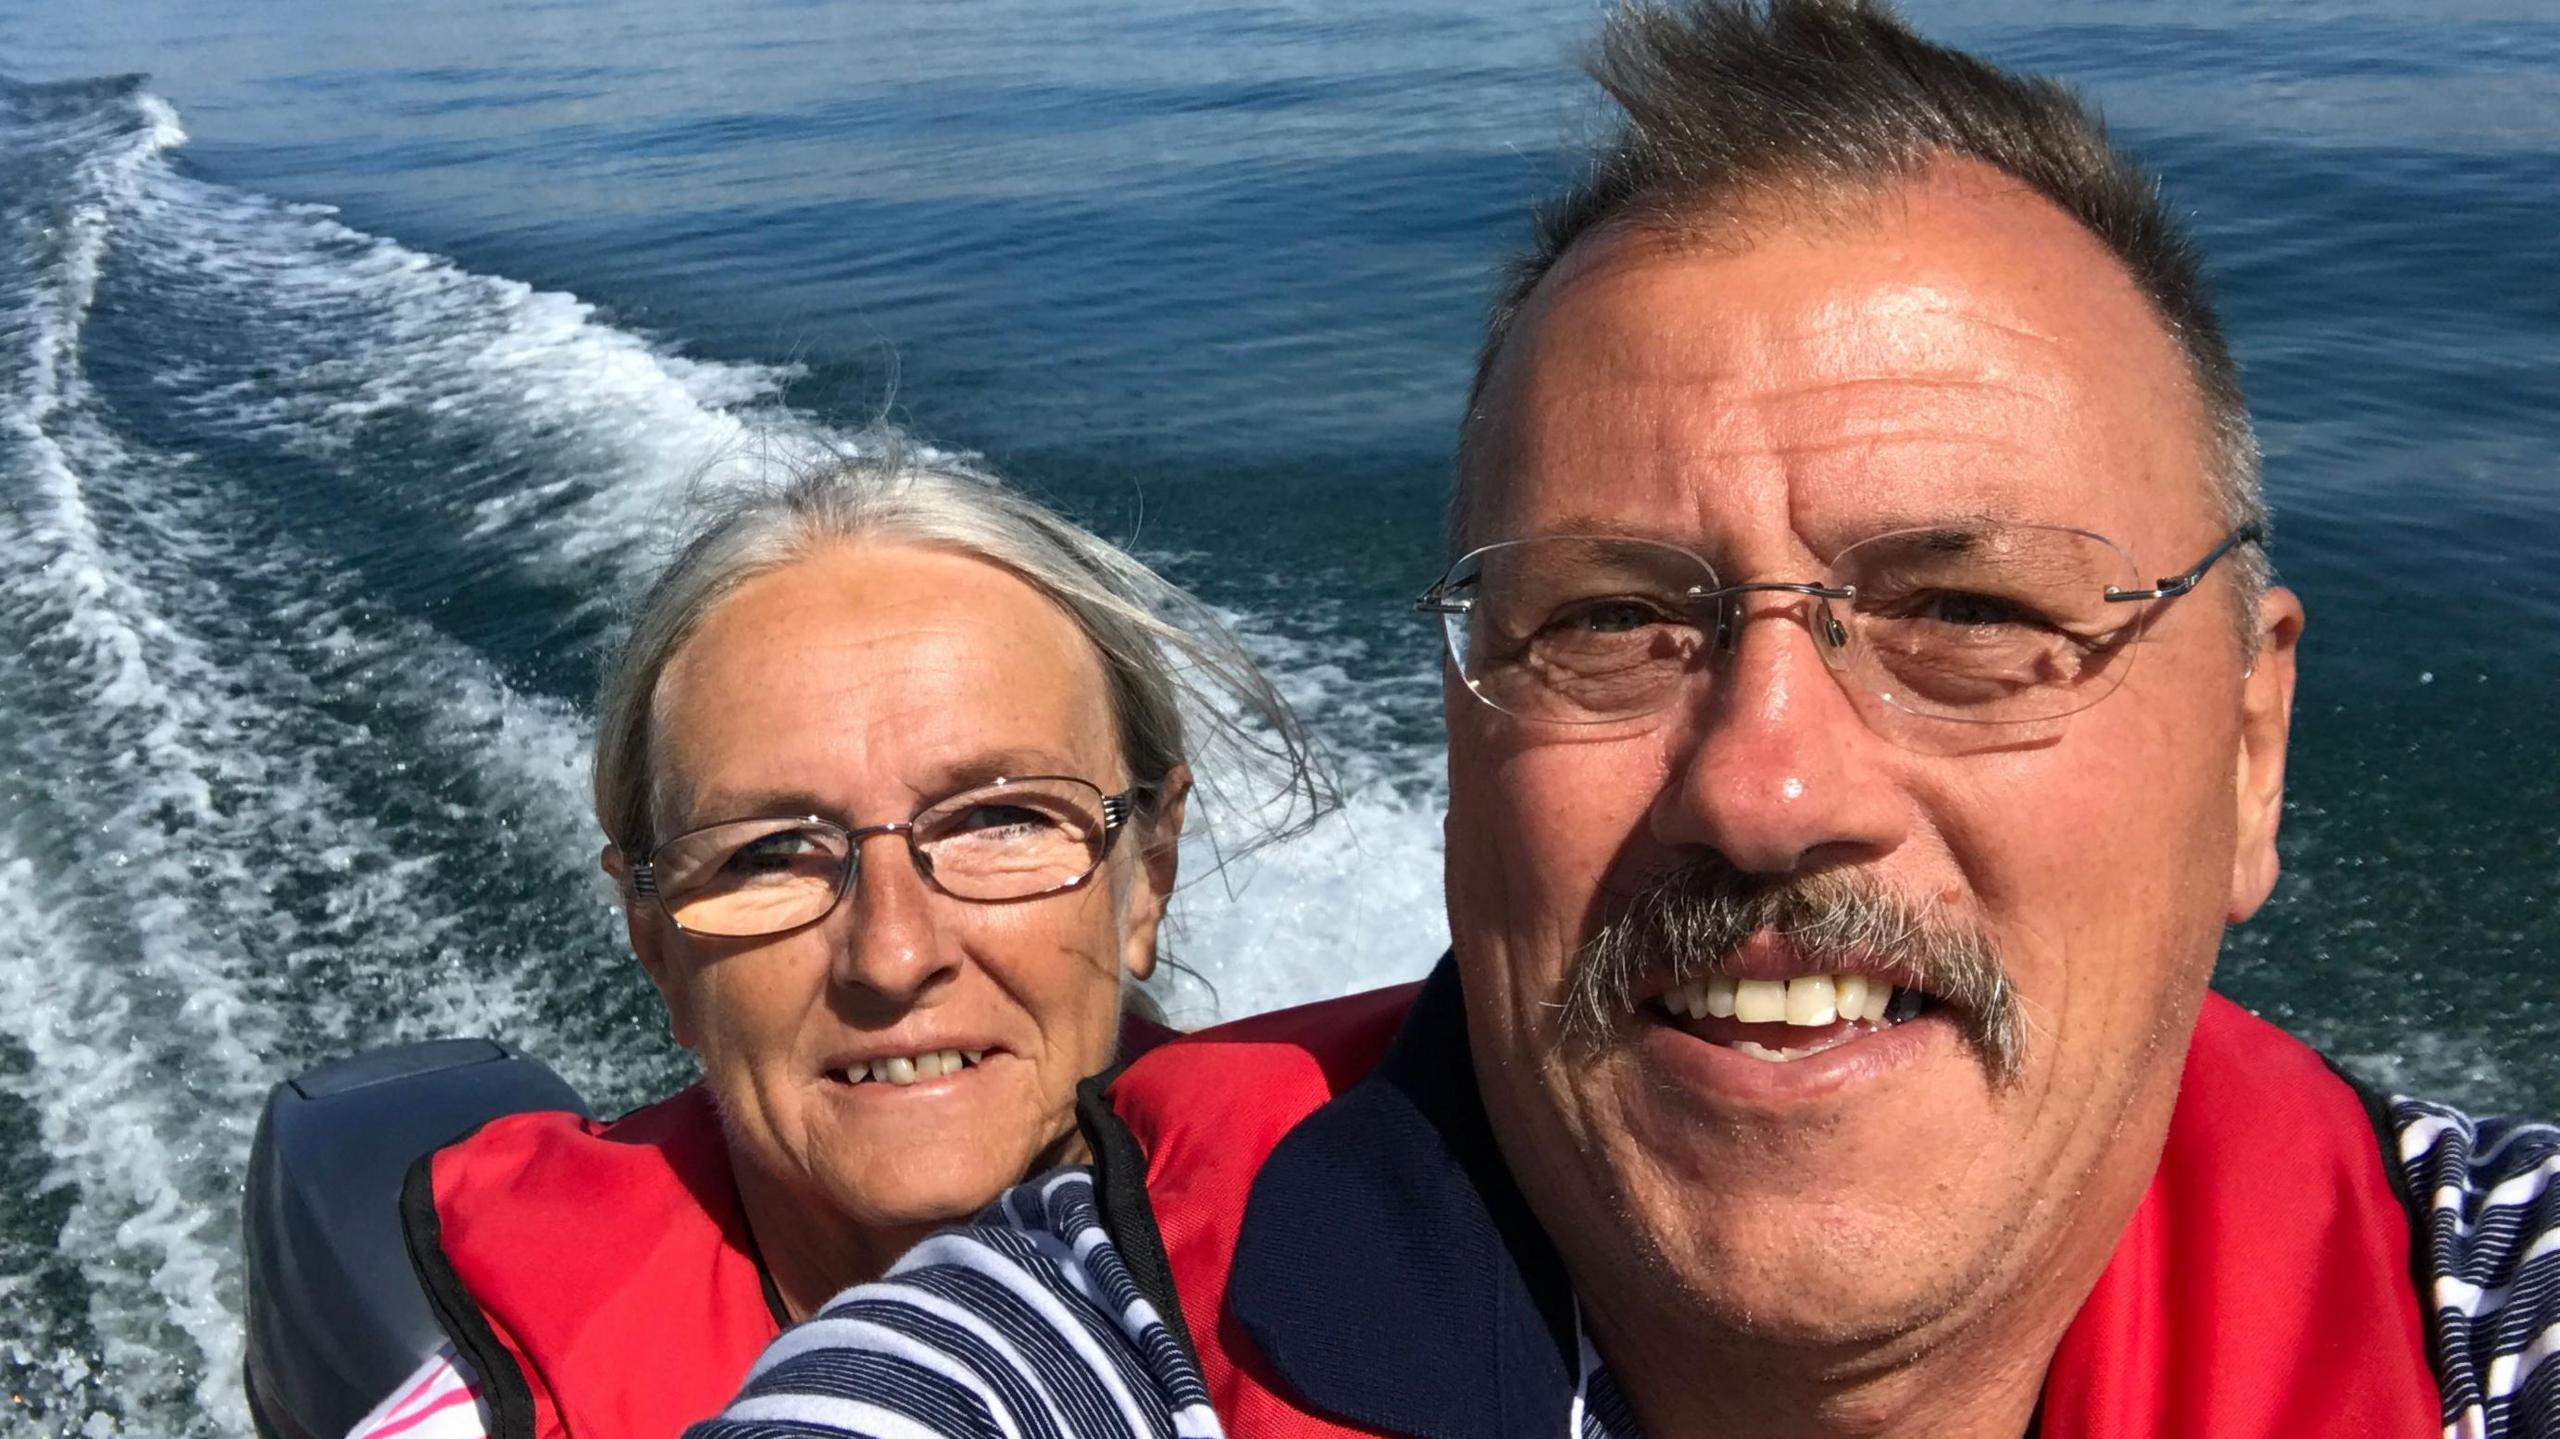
<point x="154" y="1248"/>
<point x="1352" y="904"/>
<point x="158" y="977"/>
<point x="2421" y="1062"/>
<point x="614" y="426"/>
<point x="1349" y="906"/>
<point x="150" y="977"/>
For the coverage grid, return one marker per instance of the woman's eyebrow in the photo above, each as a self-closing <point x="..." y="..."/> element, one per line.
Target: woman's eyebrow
<point x="988" y="766"/>
<point x="722" y="806"/>
<point x="949" y="777"/>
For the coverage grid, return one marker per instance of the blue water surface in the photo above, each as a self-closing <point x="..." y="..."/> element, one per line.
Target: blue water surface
<point x="353" y="357"/>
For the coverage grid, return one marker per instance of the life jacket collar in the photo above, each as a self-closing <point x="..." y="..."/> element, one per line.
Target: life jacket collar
<point x="1352" y="1256"/>
<point x="1390" y="1269"/>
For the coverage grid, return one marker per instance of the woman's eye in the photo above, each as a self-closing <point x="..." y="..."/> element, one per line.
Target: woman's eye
<point x="984" y="817"/>
<point x="771" y="852"/>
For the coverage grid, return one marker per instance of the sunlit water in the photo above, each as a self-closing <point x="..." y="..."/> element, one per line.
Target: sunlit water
<point x="330" y="437"/>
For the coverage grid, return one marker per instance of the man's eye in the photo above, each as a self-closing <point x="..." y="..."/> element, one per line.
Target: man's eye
<point x="1613" y="616"/>
<point x="1968" y="610"/>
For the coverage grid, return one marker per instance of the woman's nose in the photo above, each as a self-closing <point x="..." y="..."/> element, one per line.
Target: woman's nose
<point x="885" y="934"/>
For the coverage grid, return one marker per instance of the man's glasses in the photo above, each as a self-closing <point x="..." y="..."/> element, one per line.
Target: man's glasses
<point x="1975" y="621"/>
<point x="1005" y="840"/>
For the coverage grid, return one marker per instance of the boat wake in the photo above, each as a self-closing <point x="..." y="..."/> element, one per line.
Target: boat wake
<point x="307" y="544"/>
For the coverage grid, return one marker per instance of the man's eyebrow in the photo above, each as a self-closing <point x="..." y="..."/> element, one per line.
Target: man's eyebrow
<point x="1889" y="520"/>
<point x="1589" y="526"/>
<point x="1609" y="527"/>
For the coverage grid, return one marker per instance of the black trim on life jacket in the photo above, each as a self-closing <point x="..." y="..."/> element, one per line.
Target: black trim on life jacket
<point x="1389" y="1270"/>
<point x="1128" y="1215"/>
<point x="502" y="1383"/>
<point x="2386" y="1134"/>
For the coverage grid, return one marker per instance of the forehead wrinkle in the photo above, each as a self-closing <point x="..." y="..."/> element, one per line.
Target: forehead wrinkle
<point x="1684" y="432"/>
<point x="1643" y="359"/>
<point x="1854" y="370"/>
<point x="1729" y="383"/>
<point x="1901" y="303"/>
<point x="884" y="669"/>
<point x="1865" y="319"/>
<point x="1931" y="450"/>
<point x="1880" y="441"/>
<point x="1857" y="386"/>
<point x="1916" y="330"/>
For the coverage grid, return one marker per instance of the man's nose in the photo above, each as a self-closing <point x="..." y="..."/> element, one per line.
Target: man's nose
<point x="1771" y="765"/>
<point x="885" y="936"/>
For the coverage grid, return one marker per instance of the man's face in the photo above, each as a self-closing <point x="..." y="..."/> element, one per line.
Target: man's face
<point x="1958" y="350"/>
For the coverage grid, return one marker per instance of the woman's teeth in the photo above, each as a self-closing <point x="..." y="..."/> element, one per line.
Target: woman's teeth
<point x="906" y="1069"/>
<point x="1812" y="1001"/>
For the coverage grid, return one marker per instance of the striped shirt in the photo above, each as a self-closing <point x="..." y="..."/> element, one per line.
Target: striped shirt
<point x="1028" y="1324"/>
<point x="2491" y="1189"/>
<point x="439" y="1401"/>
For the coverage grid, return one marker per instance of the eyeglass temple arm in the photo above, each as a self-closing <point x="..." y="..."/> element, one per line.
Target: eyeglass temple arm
<point x="2171" y="586"/>
<point x="1116" y="809"/>
<point x="1436" y="600"/>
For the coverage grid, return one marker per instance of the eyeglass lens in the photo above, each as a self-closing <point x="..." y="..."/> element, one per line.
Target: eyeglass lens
<point x="1972" y="621"/>
<point x="1000" y="842"/>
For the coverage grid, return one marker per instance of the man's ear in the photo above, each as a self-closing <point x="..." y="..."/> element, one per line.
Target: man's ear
<point x="646" y="924"/>
<point x="2266" y="726"/>
<point x="1159" y="866"/>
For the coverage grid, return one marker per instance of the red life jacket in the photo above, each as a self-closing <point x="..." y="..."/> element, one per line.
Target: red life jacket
<point x="600" y="1278"/>
<point x="2263" y="1287"/>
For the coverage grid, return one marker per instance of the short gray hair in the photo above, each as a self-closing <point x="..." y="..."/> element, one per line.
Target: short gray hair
<point x="1732" y="103"/>
<point x="1162" y="651"/>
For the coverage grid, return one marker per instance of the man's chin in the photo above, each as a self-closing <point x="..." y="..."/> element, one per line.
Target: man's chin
<point x="1812" y="1209"/>
<point x="1800" y="1283"/>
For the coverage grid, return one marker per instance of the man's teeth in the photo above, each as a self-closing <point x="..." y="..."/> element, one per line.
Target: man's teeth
<point x="1782" y="1056"/>
<point x="1812" y="1001"/>
<point x="1849" y="995"/>
<point x="905" y="1069"/>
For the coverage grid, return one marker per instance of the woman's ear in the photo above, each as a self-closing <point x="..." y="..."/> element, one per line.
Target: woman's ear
<point x="1160" y="863"/>
<point x="646" y="927"/>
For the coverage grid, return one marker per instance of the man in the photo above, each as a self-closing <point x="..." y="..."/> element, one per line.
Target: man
<point x="1867" y="706"/>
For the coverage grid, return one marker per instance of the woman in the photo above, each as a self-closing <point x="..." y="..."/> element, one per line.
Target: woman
<point x="893" y="765"/>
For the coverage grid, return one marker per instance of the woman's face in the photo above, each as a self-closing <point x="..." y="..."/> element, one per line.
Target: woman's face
<point x="860" y="685"/>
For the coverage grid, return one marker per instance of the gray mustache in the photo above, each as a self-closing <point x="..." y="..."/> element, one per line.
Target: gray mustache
<point x="1687" y="925"/>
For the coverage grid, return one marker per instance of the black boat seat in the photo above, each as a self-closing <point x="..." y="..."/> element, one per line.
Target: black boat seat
<point x="335" y="1313"/>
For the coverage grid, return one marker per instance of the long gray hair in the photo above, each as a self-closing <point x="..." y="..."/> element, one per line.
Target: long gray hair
<point x="1182" y="689"/>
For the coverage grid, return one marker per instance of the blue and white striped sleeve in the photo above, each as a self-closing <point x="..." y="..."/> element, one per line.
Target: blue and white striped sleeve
<point x="2490" y="1189"/>
<point x="1023" y="1325"/>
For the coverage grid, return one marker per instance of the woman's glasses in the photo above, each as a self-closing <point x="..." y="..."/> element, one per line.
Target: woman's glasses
<point x="1005" y="840"/>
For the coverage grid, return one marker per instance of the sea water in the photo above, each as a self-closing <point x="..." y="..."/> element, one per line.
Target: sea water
<point x="353" y="358"/>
